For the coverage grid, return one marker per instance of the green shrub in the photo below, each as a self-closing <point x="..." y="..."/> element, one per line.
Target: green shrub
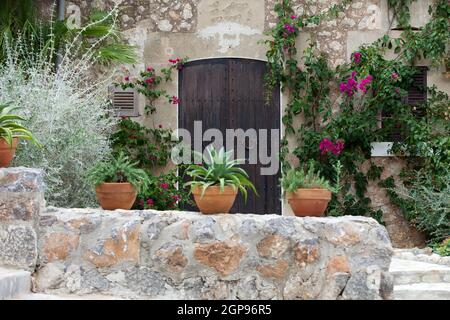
<point x="218" y="169"/>
<point x="308" y="177"/>
<point x="161" y="193"/>
<point x="118" y="169"/>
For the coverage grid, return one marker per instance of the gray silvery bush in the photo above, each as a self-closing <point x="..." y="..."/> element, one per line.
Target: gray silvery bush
<point x="66" y="109"/>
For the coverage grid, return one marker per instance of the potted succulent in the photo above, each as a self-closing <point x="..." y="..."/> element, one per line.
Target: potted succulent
<point x="10" y="133"/>
<point x="117" y="182"/>
<point x="215" y="183"/>
<point x="307" y="192"/>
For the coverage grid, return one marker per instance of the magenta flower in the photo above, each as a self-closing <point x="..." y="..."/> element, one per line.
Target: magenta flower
<point x="150" y="80"/>
<point x="351" y="86"/>
<point x="150" y="202"/>
<point x="394" y="75"/>
<point x="175" y="100"/>
<point x="174" y="61"/>
<point x="289" y="28"/>
<point x="127" y="78"/>
<point x="150" y="69"/>
<point x="293" y="17"/>
<point x="364" y="82"/>
<point x="356" y="57"/>
<point x="326" y="146"/>
<point x="165" y="185"/>
<point x="160" y="126"/>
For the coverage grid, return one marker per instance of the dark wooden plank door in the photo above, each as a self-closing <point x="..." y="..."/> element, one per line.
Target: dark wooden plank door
<point x="228" y="93"/>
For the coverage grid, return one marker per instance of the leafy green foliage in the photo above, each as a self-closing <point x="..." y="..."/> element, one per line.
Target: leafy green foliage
<point x="149" y="147"/>
<point x="425" y="202"/>
<point x="100" y="36"/>
<point x="357" y="122"/>
<point x="442" y="248"/>
<point x="149" y="81"/>
<point x="218" y="169"/>
<point x="10" y="126"/>
<point x="118" y="169"/>
<point x="308" y="177"/>
<point x="161" y="193"/>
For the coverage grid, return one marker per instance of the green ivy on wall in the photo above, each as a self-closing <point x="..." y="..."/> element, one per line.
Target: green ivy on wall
<point x="369" y="84"/>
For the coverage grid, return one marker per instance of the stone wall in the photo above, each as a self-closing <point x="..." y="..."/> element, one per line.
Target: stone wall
<point x="21" y="201"/>
<point x="186" y="255"/>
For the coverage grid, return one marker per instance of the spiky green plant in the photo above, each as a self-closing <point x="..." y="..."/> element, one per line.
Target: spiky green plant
<point x="218" y="169"/>
<point x="309" y="178"/>
<point x="118" y="169"/>
<point x="10" y="126"/>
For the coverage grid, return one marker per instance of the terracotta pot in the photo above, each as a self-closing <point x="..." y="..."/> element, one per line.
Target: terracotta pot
<point x="112" y="196"/>
<point x="214" y="201"/>
<point x="309" y="202"/>
<point x="7" y="152"/>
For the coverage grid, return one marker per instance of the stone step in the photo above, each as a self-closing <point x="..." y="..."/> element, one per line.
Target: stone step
<point x="44" y="296"/>
<point x="410" y="272"/>
<point x="14" y="283"/>
<point x="422" y="291"/>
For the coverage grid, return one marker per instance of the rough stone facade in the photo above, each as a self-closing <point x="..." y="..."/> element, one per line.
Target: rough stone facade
<point x="21" y="201"/>
<point x="186" y="255"/>
<point x="201" y="29"/>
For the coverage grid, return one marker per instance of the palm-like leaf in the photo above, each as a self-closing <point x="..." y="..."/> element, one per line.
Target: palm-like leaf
<point x="10" y="127"/>
<point x="221" y="170"/>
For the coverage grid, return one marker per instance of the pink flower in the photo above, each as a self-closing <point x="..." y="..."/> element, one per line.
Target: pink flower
<point x="175" y="100"/>
<point x="150" y="202"/>
<point x="394" y="75"/>
<point x="174" y="61"/>
<point x="176" y="197"/>
<point x="356" y="57"/>
<point x="289" y="28"/>
<point x="150" y="80"/>
<point x="127" y="78"/>
<point x="293" y="17"/>
<point x="327" y="146"/>
<point x="351" y="86"/>
<point x="164" y="185"/>
<point x="364" y="82"/>
<point x="150" y="69"/>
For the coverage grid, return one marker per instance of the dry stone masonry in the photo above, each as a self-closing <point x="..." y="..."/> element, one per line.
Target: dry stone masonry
<point x="186" y="255"/>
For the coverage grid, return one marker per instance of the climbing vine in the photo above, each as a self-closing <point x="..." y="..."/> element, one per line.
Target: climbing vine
<point x="360" y="91"/>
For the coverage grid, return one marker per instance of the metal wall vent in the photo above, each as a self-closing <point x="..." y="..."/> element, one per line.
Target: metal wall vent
<point x="124" y="102"/>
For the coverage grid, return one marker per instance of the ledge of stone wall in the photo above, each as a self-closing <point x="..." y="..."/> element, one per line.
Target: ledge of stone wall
<point x="187" y="255"/>
<point x="21" y="201"/>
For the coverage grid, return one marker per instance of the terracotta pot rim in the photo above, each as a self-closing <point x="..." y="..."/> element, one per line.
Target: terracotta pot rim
<point x="215" y="189"/>
<point x="5" y="145"/>
<point x="303" y="193"/>
<point x="114" y="183"/>
<point x="115" y="187"/>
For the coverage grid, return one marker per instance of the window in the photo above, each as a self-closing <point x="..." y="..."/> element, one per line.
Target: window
<point x="417" y="94"/>
<point x="124" y="102"/>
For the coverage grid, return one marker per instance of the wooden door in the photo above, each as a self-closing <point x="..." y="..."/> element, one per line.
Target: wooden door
<point x="228" y="93"/>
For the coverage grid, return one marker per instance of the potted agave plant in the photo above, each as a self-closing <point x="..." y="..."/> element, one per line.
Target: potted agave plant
<point x="307" y="192"/>
<point x="215" y="183"/>
<point x="10" y="132"/>
<point x="117" y="182"/>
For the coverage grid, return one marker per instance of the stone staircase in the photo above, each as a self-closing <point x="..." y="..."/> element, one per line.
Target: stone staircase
<point x="14" y="283"/>
<point x="417" y="280"/>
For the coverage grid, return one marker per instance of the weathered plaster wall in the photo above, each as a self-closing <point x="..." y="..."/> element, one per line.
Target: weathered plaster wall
<point x="200" y="29"/>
